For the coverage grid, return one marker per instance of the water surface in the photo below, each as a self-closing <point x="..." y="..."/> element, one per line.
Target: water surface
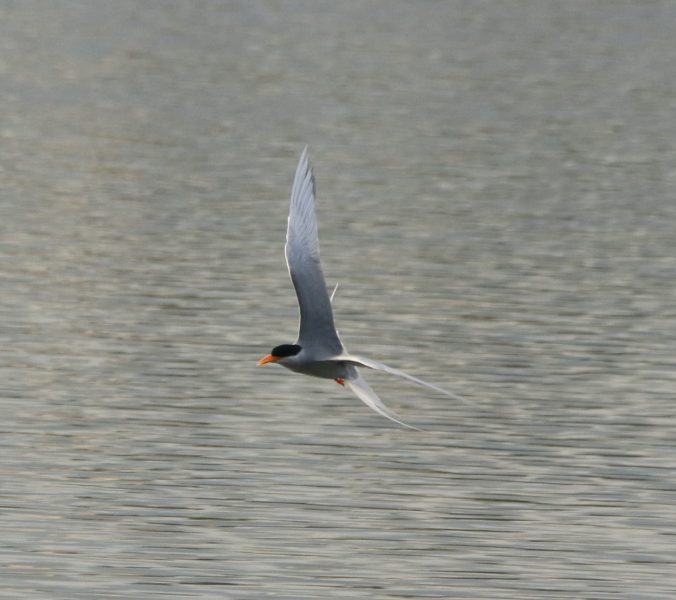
<point x="496" y="198"/>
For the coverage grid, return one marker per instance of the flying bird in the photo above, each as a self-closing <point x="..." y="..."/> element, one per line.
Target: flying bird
<point x="318" y="350"/>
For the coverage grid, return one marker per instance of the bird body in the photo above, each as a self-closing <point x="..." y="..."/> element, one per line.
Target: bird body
<point x="318" y="351"/>
<point x="325" y="369"/>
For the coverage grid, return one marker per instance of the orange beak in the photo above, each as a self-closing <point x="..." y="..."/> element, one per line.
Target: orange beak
<point x="268" y="359"/>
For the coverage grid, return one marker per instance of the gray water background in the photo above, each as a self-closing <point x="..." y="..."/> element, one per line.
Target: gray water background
<point x="496" y="188"/>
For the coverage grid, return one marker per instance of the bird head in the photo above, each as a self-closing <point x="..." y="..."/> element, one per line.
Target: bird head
<point x="280" y="352"/>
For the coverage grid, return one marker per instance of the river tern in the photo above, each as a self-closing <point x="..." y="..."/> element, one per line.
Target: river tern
<point x="318" y="350"/>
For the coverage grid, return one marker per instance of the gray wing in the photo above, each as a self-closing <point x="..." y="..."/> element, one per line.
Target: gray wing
<point x="360" y="361"/>
<point x="364" y="392"/>
<point x="317" y="332"/>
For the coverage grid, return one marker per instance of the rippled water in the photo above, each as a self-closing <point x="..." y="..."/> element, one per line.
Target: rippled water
<point x="497" y="200"/>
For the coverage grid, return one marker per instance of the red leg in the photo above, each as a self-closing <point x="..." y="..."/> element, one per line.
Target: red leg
<point x="340" y="380"/>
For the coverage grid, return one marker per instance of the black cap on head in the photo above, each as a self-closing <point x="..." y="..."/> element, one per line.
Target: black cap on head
<point x="285" y="350"/>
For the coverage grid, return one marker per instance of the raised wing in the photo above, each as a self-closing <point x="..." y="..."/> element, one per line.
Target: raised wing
<point x="333" y="293"/>
<point x="364" y="392"/>
<point x="316" y="333"/>
<point x="378" y="366"/>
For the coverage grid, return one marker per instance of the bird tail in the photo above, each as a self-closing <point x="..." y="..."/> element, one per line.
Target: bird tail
<point x="378" y="366"/>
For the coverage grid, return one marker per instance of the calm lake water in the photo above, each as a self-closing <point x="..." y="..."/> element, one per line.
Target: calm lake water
<point x="497" y="198"/>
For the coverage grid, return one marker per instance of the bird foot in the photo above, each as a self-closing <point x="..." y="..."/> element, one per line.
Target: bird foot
<point x="340" y="381"/>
